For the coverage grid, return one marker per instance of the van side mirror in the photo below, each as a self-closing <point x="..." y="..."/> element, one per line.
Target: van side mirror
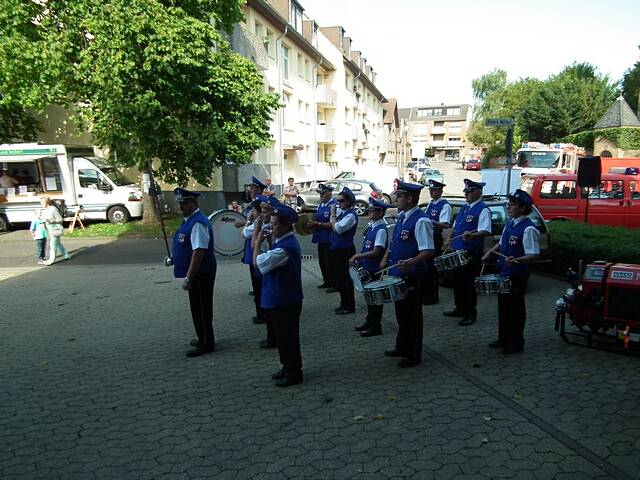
<point x="105" y="187"/>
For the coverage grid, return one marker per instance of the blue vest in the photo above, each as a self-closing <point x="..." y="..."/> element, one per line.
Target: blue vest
<point x="323" y="215"/>
<point x="368" y="244"/>
<point x="467" y="220"/>
<point x="182" y="250"/>
<point x="434" y="210"/>
<point x="247" y="257"/>
<point x="404" y="244"/>
<point x="512" y="245"/>
<point x="282" y="286"/>
<point x="345" y="239"/>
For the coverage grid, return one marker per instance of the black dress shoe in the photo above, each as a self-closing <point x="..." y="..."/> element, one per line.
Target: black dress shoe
<point x="467" y="321"/>
<point x="324" y="285"/>
<point x="196" y="352"/>
<point x="266" y="343"/>
<point x="430" y="301"/>
<point x="392" y="353"/>
<point x="408" y="362"/>
<point x="511" y="349"/>
<point x="363" y="327"/>
<point x="344" y="311"/>
<point x="195" y="342"/>
<point x="453" y="313"/>
<point x="279" y="374"/>
<point x="258" y="321"/>
<point x="496" y="344"/>
<point x="251" y="293"/>
<point x="372" y="332"/>
<point x="289" y="380"/>
<point x="331" y="290"/>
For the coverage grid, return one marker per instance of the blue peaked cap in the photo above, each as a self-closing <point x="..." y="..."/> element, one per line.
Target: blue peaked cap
<point x="435" y="184"/>
<point x="257" y="183"/>
<point x="408" y="187"/>
<point x="184" y="194"/>
<point x="322" y="187"/>
<point x="270" y="200"/>
<point x="287" y="213"/>
<point x="522" y="197"/>
<point x="347" y="193"/>
<point x="373" y="204"/>
<point x="470" y="184"/>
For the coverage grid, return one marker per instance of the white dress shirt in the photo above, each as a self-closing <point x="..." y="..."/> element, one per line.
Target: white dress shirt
<point x="530" y="239"/>
<point x="274" y="258"/>
<point x="346" y="223"/>
<point x="381" y="236"/>
<point x="199" y="234"/>
<point x="445" y="213"/>
<point x="423" y="230"/>
<point x="484" y="219"/>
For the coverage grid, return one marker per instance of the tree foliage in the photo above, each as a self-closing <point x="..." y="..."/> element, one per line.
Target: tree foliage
<point x="152" y="79"/>
<point x="544" y="110"/>
<point x="631" y="85"/>
<point x="17" y="124"/>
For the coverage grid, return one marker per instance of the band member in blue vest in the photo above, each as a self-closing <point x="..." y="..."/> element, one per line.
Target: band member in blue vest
<point x="281" y="269"/>
<point x="472" y="225"/>
<point x="518" y="246"/>
<point x="409" y="251"/>
<point x="439" y="212"/>
<point x="374" y="245"/>
<point x="256" y="187"/>
<point x="344" y="222"/>
<point x="322" y="234"/>
<point x="194" y="261"/>
<point x="263" y="224"/>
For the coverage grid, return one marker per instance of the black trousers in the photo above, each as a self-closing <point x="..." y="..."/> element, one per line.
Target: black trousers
<point x="431" y="286"/>
<point x="512" y="313"/>
<point x="464" y="291"/>
<point x="201" y="303"/>
<point x="256" y="283"/>
<point x="374" y="312"/>
<point x="409" y="318"/>
<point x="340" y="266"/>
<point x="325" y="264"/>
<point x="286" y="324"/>
<point x="41" y="248"/>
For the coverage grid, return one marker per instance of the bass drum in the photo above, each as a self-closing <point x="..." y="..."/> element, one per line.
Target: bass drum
<point x="228" y="239"/>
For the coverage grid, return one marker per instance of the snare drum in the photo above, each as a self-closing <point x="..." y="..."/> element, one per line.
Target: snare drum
<point x="359" y="276"/>
<point x="492" y="284"/>
<point x="451" y="260"/>
<point x="385" y="290"/>
<point x="228" y="239"/>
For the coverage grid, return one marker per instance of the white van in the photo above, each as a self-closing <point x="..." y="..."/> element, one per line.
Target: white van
<point x="70" y="173"/>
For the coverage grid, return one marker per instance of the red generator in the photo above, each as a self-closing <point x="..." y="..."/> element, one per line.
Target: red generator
<point x="603" y="305"/>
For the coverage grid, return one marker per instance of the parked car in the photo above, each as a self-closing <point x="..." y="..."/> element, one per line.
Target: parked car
<point x="414" y="169"/>
<point x="431" y="174"/>
<point x="362" y="189"/>
<point x="472" y="164"/>
<point x="616" y="201"/>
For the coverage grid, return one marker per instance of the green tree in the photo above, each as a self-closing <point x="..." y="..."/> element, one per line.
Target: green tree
<point x="152" y="79"/>
<point x="631" y="85"/>
<point x="17" y="124"/>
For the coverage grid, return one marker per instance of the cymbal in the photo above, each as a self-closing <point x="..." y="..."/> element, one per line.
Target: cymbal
<point x="302" y="226"/>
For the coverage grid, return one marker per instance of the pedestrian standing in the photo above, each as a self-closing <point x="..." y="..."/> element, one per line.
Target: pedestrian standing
<point x="281" y="268"/>
<point x="519" y="245"/>
<point x="39" y="233"/>
<point x="291" y="193"/>
<point x="439" y="213"/>
<point x="194" y="262"/>
<point x="471" y="226"/>
<point x="409" y="251"/>
<point x="54" y="224"/>
<point x="344" y="222"/>
<point x="322" y="235"/>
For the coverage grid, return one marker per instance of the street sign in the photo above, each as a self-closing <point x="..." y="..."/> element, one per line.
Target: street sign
<point x="500" y="122"/>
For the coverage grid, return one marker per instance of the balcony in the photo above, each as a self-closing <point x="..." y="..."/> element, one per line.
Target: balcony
<point x="438" y="130"/>
<point x="249" y="46"/>
<point x="326" y="97"/>
<point x="455" y="143"/>
<point x="325" y="134"/>
<point x="436" y="143"/>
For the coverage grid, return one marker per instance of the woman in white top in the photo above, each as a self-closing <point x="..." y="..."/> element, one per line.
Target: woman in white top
<point x="53" y="222"/>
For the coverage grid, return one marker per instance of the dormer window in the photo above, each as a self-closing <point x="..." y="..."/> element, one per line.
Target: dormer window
<point x="295" y="15"/>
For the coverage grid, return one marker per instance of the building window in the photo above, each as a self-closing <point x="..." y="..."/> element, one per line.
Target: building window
<point x="258" y="29"/>
<point x="300" y="66"/>
<point x="347" y="82"/>
<point x="452" y="111"/>
<point x="606" y="154"/>
<point x="454" y="139"/>
<point x="300" y="111"/>
<point x="437" y="138"/>
<point x="307" y="70"/>
<point x="295" y="15"/>
<point x="270" y="44"/>
<point x="285" y="62"/>
<point x="286" y="110"/>
<point x="438" y="123"/>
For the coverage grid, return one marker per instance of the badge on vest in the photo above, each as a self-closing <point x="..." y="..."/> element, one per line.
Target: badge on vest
<point x="325" y="214"/>
<point x="367" y="244"/>
<point x="404" y="234"/>
<point x="469" y="218"/>
<point x="181" y="237"/>
<point x="513" y="240"/>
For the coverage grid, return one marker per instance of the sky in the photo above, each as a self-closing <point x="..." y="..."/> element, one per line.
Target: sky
<point x="427" y="52"/>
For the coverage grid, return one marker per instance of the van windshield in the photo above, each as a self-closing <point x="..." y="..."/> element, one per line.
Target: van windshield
<point x="116" y="176"/>
<point x="538" y="159"/>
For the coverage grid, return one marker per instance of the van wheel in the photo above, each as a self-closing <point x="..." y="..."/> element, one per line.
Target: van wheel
<point x="118" y="215"/>
<point x="361" y="208"/>
<point x="4" y="225"/>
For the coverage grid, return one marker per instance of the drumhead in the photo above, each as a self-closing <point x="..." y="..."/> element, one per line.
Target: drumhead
<point x="383" y="282"/>
<point x="228" y="239"/>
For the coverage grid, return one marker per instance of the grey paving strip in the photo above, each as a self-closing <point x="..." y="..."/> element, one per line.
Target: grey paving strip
<point x="564" y="439"/>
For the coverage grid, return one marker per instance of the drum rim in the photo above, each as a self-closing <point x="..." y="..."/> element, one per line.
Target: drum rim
<point x="226" y="211"/>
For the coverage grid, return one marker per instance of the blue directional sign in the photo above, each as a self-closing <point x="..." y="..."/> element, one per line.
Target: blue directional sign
<point x="500" y="122"/>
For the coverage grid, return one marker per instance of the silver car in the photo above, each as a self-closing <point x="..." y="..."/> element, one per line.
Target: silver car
<point x="362" y="189"/>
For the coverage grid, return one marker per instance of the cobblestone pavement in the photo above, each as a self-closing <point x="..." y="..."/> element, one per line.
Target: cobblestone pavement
<point x="95" y="384"/>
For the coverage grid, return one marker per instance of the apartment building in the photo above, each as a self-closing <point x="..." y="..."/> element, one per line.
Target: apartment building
<point x="394" y="135"/>
<point x="439" y="131"/>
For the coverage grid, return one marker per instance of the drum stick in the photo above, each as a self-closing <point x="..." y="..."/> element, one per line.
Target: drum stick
<point x="458" y="236"/>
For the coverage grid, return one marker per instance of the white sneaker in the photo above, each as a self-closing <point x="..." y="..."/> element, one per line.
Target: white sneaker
<point x="47" y="262"/>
